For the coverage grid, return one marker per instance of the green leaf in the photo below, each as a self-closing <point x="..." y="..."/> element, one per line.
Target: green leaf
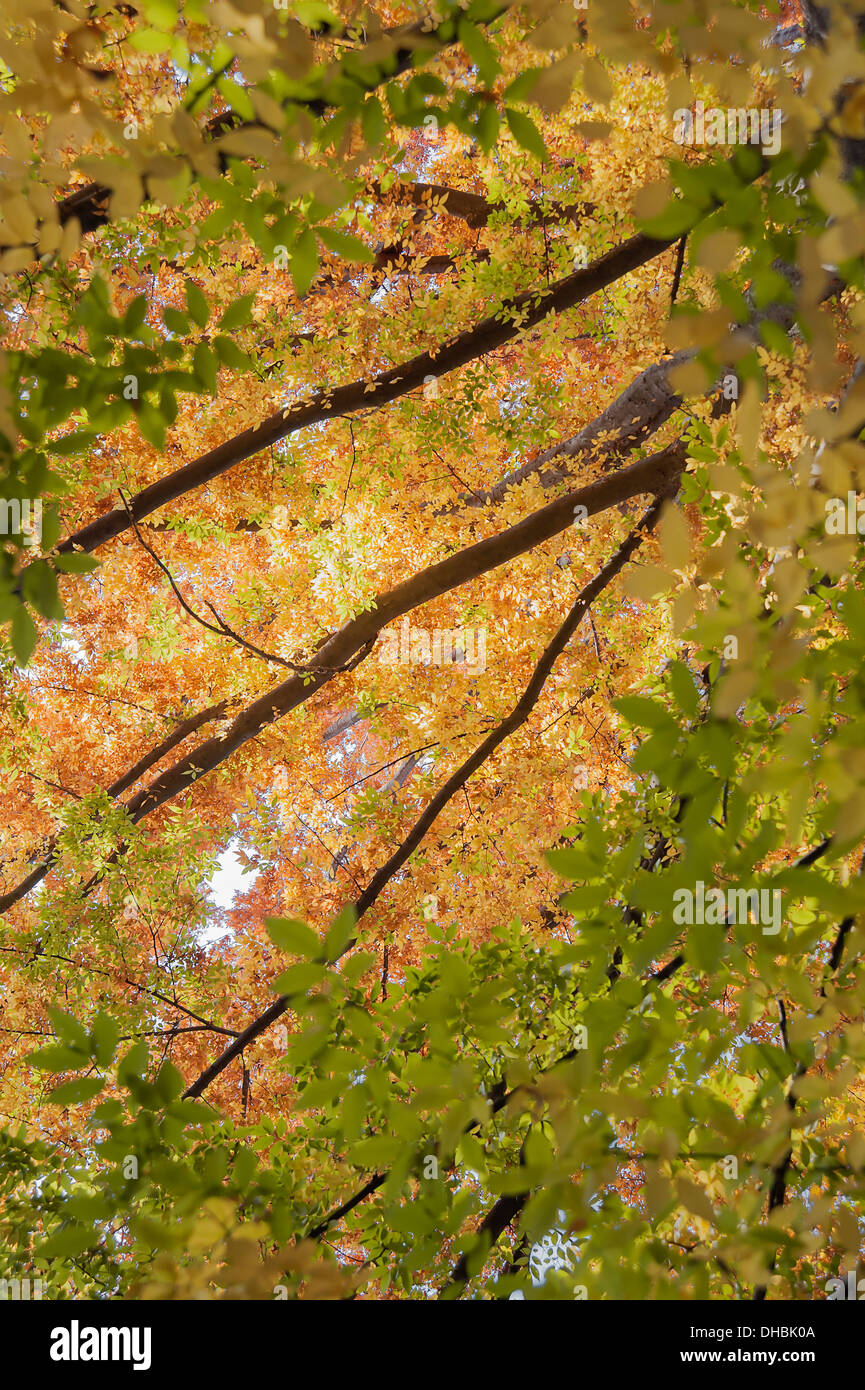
<point x="135" y="315"/>
<point x="656" y="754"/>
<point x="133" y="1064"/>
<point x="175" y="321"/>
<point x="198" y="306"/>
<point x="526" y="133"/>
<point x="162" y="13"/>
<point x="75" y="1092"/>
<point x="570" y="863"/>
<point x="684" y="689"/>
<point x="487" y="127"/>
<point x="69" y="1030"/>
<point x="206" y="366"/>
<point x="191" y="1112"/>
<point x="70" y="1240"/>
<point x="357" y="965"/>
<point x="376" y="1152"/>
<point x="695" y="180"/>
<point x="39" y="586"/>
<point x="304" y="261"/>
<point x="169" y="1082"/>
<point x="76" y="563"/>
<point x="238" y="314"/>
<point x="149" y="41"/>
<point x="704" y="947"/>
<point x="73" y="443"/>
<point x="678" y="217"/>
<point x="480" y="52"/>
<point x="372" y="121"/>
<point x="522" y="86"/>
<point x="340" y="933"/>
<point x="645" y="713"/>
<point x="50" y="528"/>
<point x="107" y="1114"/>
<point x="293" y="936"/>
<point x="237" y="98"/>
<point x="151" y="423"/>
<point x="345" y="245"/>
<point x="230" y="354"/>
<point x="103" y="1039"/>
<point x="775" y="338"/>
<point x="299" y="978"/>
<point x="58" y="1058"/>
<point x="245" y="1164"/>
<point x="23" y="635"/>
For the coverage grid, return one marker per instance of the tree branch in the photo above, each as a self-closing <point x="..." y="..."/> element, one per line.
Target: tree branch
<point x="518" y="716"/>
<point x="353" y="641"/>
<point x="516" y="316"/>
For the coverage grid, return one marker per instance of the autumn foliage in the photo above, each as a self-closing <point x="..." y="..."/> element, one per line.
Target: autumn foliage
<point x="432" y="580"/>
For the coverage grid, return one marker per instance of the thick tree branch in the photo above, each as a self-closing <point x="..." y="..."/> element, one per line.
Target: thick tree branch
<point x="519" y="314"/>
<point x="355" y="639"/>
<point x="517" y="717"/>
<point x="635" y="415"/>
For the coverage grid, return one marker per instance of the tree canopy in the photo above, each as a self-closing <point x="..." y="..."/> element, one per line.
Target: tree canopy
<point x="433" y="634"/>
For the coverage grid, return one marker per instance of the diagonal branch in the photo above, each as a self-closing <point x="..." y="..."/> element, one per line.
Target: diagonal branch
<point x="353" y="641"/>
<point x="133" y="984"/>
<point x="513" y="721"/>
<point x="516" y="316"/>
<point x="497" y="1220"/>
<point x="128" y="778"/>
<point x="635" y="415"/>
<point x="395" y="52"/>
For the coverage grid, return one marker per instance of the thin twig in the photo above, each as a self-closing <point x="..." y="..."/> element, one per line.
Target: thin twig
<point x="223" y="630"/>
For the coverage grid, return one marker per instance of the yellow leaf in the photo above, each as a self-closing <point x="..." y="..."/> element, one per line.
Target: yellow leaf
<point x="747" y="420"/>
<point x="718" y="250"/>
<point x="694" y="1199"/>
<point x="596" y="82"/>
<point x="675" y="538"/>
<point x="645" y="581"/>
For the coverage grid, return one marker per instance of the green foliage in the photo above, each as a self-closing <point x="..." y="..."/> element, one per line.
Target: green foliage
<point x="604" y="1069"/>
